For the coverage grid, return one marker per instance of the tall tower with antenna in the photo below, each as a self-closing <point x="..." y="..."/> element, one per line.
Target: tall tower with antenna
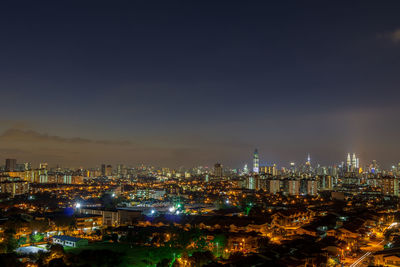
<point x="256" y="162"/>
<point x="354" y="161"/>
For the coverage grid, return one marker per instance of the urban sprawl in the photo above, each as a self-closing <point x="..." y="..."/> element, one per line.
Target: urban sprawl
<point x="260" y="215"/>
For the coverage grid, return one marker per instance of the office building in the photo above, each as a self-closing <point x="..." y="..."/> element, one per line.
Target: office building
<point x="108" y="170"/>
<point x="103" y="169"/>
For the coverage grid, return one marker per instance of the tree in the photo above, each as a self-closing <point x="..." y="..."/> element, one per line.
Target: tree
<point x="108" y="201"/>
<point x="158" y="239"/>
<point x="55" y="255"/>
<point x="64" y="222"/>
<point x="9" y="240"/>
<point x="9" y="259"/>
<point x="263" y="243"/>
<point x="72" y="224"/>
<point x="221" y="240"/>
<point x="236" y="256"/>
<point x="59" y="262"/>
<point x="97" y="233"/>
<point x="114" y="237"/>
<point x="36" y="237"/>
<point x="16" y="222"/>
<point x="3" y="248"/>
<point x="21" y="240"/>
<point x="202" y="258"/>
<point x="102" y="257"/>
<point x="40" y="226"/>
<point x="164" y="263"/>
<point x="247" y="203"/>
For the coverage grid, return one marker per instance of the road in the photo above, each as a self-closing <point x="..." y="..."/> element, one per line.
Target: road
<point x="367" y="254"/>
<point x="375" y="248"/>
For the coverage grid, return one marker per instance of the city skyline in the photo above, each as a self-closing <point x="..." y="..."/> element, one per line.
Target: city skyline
<point x="351" y="161"/>
<point x="198" y="84"/>
<point x="22" y="138"/>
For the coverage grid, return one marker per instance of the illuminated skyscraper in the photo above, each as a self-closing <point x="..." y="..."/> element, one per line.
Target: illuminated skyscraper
<point x="245" y="169"/>
<point x="348" y="162"/>
<point x="354" y="161"/>
<point x="292" y="166"/>
<point x="256" y="162"/>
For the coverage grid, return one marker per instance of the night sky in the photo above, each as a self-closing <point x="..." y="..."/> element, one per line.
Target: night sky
<point x="190" y="83"/>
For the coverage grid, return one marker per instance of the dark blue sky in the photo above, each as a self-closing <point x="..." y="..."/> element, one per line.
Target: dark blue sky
<point x="188" y="83"/>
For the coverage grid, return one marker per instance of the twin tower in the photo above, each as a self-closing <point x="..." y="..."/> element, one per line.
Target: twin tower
<point x="352" y="162"/>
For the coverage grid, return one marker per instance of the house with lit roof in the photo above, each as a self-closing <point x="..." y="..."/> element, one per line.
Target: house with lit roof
<point x="69" y="241"/>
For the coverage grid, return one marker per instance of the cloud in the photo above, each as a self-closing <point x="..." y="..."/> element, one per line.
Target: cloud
<point x="6" y="151"/>
<point x="32" y="146"/>
<point x="18" y="135"/>
<point x="394" y="36"/>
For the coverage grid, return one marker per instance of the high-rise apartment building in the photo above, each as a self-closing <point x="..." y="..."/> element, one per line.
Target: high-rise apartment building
<point x="11" y="165"/>
<point x="294" y="187"/>
<point x="326" y="182"/>
<point x="271" y="170"/>
<point x="390" y="186"/>
<point x="312" y="187"/>
<point x="218" y="170"/>
<point x="43" y="166"/>
<point x="273" y="186"/>
<point x="253" y="182"/>
<point x="14" y="187"/>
